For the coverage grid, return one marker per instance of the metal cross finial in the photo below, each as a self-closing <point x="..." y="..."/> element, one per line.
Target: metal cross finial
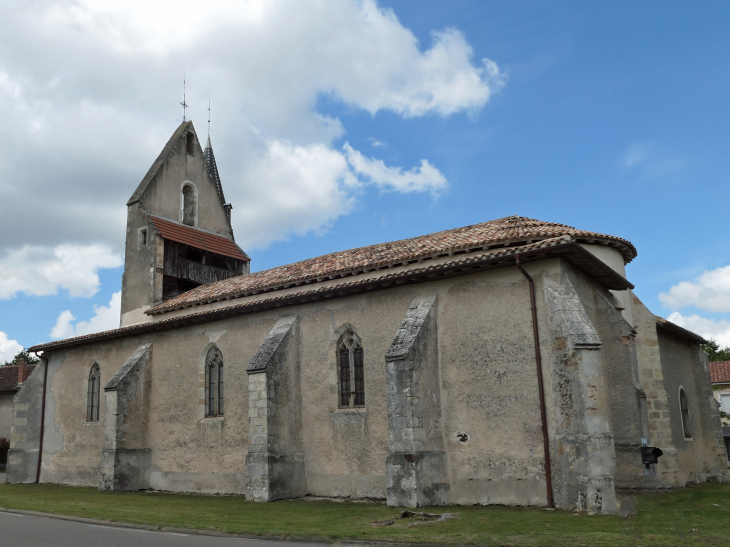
<point x="183" y="103"/>
<point x="208" y="118"/>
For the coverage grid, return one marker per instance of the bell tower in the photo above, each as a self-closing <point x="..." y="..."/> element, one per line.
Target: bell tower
<point x="179" y="233"/>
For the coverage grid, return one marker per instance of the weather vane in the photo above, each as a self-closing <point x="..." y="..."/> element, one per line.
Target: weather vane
<point x="183" y="103"/>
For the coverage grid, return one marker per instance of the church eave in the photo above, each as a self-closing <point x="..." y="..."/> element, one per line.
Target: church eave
<point x="562" y="247"/>
<point x="681" y="331"/>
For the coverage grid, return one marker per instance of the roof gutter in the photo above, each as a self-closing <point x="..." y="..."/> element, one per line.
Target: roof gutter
<point x="540" y="386"/>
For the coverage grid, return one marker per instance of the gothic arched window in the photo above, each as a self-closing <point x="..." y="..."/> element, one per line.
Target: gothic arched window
<point x="190" y="144"/>
<point x="214" y="383"/>
<point x="684" y="409"/>
<point x="92" y="394"/>
<point x="350" y="370"/>
<point x="189" y="205"/>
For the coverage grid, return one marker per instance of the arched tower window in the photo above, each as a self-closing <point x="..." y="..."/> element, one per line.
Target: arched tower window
<point x="684" y="409"/>
<point x="189" y="205"/>
<point x="214" y="383"/>
<point x="190" y="145"/>
<point x="350" y="370"/>
<point x="92" y="394"/>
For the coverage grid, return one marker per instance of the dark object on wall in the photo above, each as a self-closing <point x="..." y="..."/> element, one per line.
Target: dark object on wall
<point x="650" y="454"/>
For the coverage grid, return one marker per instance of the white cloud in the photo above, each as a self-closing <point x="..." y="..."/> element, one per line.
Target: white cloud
<point x="43" y="271"/>
<point x="710" y="291"/>
<point x="635" y="155"/>
<point x="425" y="178"/>
<point x="8" y="348"/>
<point x="707" y="328"/>
<point x="648" y="160"/>
<point x="105" y="318"/>
<point x="91" y="86"/>
<point x="310" y="185"/>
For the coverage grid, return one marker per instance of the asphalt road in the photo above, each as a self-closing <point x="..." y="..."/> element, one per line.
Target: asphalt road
<point x="32" y="531"/>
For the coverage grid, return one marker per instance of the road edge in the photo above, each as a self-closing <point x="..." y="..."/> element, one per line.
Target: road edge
<point x="215" y="533"/>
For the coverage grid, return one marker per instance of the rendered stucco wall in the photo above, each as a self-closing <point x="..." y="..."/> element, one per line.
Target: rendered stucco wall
<point x="491" y="410"/>
<point x="702" y="456"/>
<point x="482" y="399"/>
<point x="6" y="414"/>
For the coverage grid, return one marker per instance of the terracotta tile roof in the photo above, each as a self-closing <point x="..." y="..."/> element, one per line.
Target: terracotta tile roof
<point x="562" y="247"/>
<point x="720" y="372"/>
<point x="197" y="238"/>
<point x="9" y="377"/>
<point x="513" y="230"/>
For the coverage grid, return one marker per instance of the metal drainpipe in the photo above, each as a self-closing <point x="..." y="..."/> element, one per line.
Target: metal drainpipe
<point x="43" y="419"/>
<point x="541" y="389"/>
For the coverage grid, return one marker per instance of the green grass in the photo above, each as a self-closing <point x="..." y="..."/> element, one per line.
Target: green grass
<point x="664" y="519"/>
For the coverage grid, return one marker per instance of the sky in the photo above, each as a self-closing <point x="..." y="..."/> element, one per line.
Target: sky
<point x="342" y="123"/>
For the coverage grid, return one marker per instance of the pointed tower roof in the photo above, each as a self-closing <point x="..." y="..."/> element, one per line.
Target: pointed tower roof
<point x="213" y="169"/>
<point x="176" y="136"/>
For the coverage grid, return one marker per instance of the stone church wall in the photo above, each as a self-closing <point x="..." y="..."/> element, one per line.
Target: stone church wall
<point x="667" y="361"/>
<point x="346" y="448"/>
<point x="703" y="455"/>
<point x="191" y="452"/>
<point x="489" y="396"/>
<point x="492" y="429"/>
<point x="138" y="288"/>
<point x="479" y="410"/>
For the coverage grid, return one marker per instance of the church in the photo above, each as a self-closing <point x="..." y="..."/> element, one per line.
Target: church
<point x="507" y="362"/>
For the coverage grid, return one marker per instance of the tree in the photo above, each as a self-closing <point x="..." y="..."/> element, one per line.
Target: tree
<point x="22" y="354"/>
<point x="715" y="351"/>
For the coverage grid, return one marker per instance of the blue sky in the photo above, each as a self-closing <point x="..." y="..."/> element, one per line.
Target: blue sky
<point x="610" y="117"/>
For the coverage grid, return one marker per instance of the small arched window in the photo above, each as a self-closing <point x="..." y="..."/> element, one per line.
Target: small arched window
<point x="189" y="205"/>
<point x="92" y="394"/>
<point x="190" y="145"/>
<point x="350" y="370"/>
<point x="214" y="383"/>
<point x="684" y="409"/>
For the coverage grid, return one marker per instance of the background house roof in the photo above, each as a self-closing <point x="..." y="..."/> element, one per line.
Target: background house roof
<point x="720" y="372"/>
<point x="9" y="377"/>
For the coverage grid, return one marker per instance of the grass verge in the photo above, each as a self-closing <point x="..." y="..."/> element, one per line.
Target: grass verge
<point x="688" y="516"/>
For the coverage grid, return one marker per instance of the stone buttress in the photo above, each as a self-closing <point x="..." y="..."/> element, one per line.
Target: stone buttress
<point x="124" y="464"/>
<point x="25" y="436"/>
<point x="583" y="455"/>
<point x="416" y="467"/>
<point x="275" y="462"/>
